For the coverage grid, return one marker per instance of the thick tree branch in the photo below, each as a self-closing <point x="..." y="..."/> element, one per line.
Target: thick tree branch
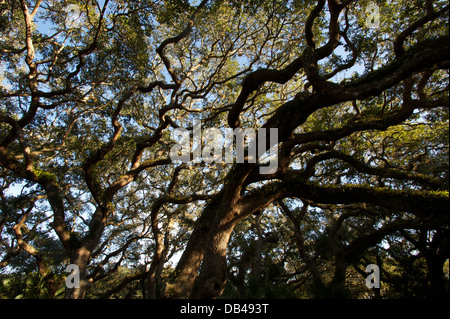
<point x="430" y="16"/>
<point x="295" y="112"/>
<point x="420" y="203"/>
<point x="176" y="39"/>
<point x="378" y="171"/>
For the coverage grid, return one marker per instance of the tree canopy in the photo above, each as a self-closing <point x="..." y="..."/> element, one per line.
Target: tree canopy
<point x="92" y="92"/>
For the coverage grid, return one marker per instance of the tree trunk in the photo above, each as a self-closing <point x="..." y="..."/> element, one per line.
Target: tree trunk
<point x="435" y="266"/>
<point x="79" y="257"/>
<point x="153" y="288"/>
<point x="187" y="269"/>
<point x="336" y="288"/>
<point x="213" y="275"/>
<point x="209" y="241"/>
<point x="53" y="284"/>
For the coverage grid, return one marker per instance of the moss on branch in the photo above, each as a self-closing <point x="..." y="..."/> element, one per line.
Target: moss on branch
<point x="419" y="202"/>
<point x="44" y="177"/>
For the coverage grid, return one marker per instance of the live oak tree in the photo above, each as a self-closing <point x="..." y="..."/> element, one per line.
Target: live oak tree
<point x="91" y="92"/>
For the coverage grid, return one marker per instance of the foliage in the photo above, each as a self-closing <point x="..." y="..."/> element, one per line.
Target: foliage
<point x="91" y="92"/>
